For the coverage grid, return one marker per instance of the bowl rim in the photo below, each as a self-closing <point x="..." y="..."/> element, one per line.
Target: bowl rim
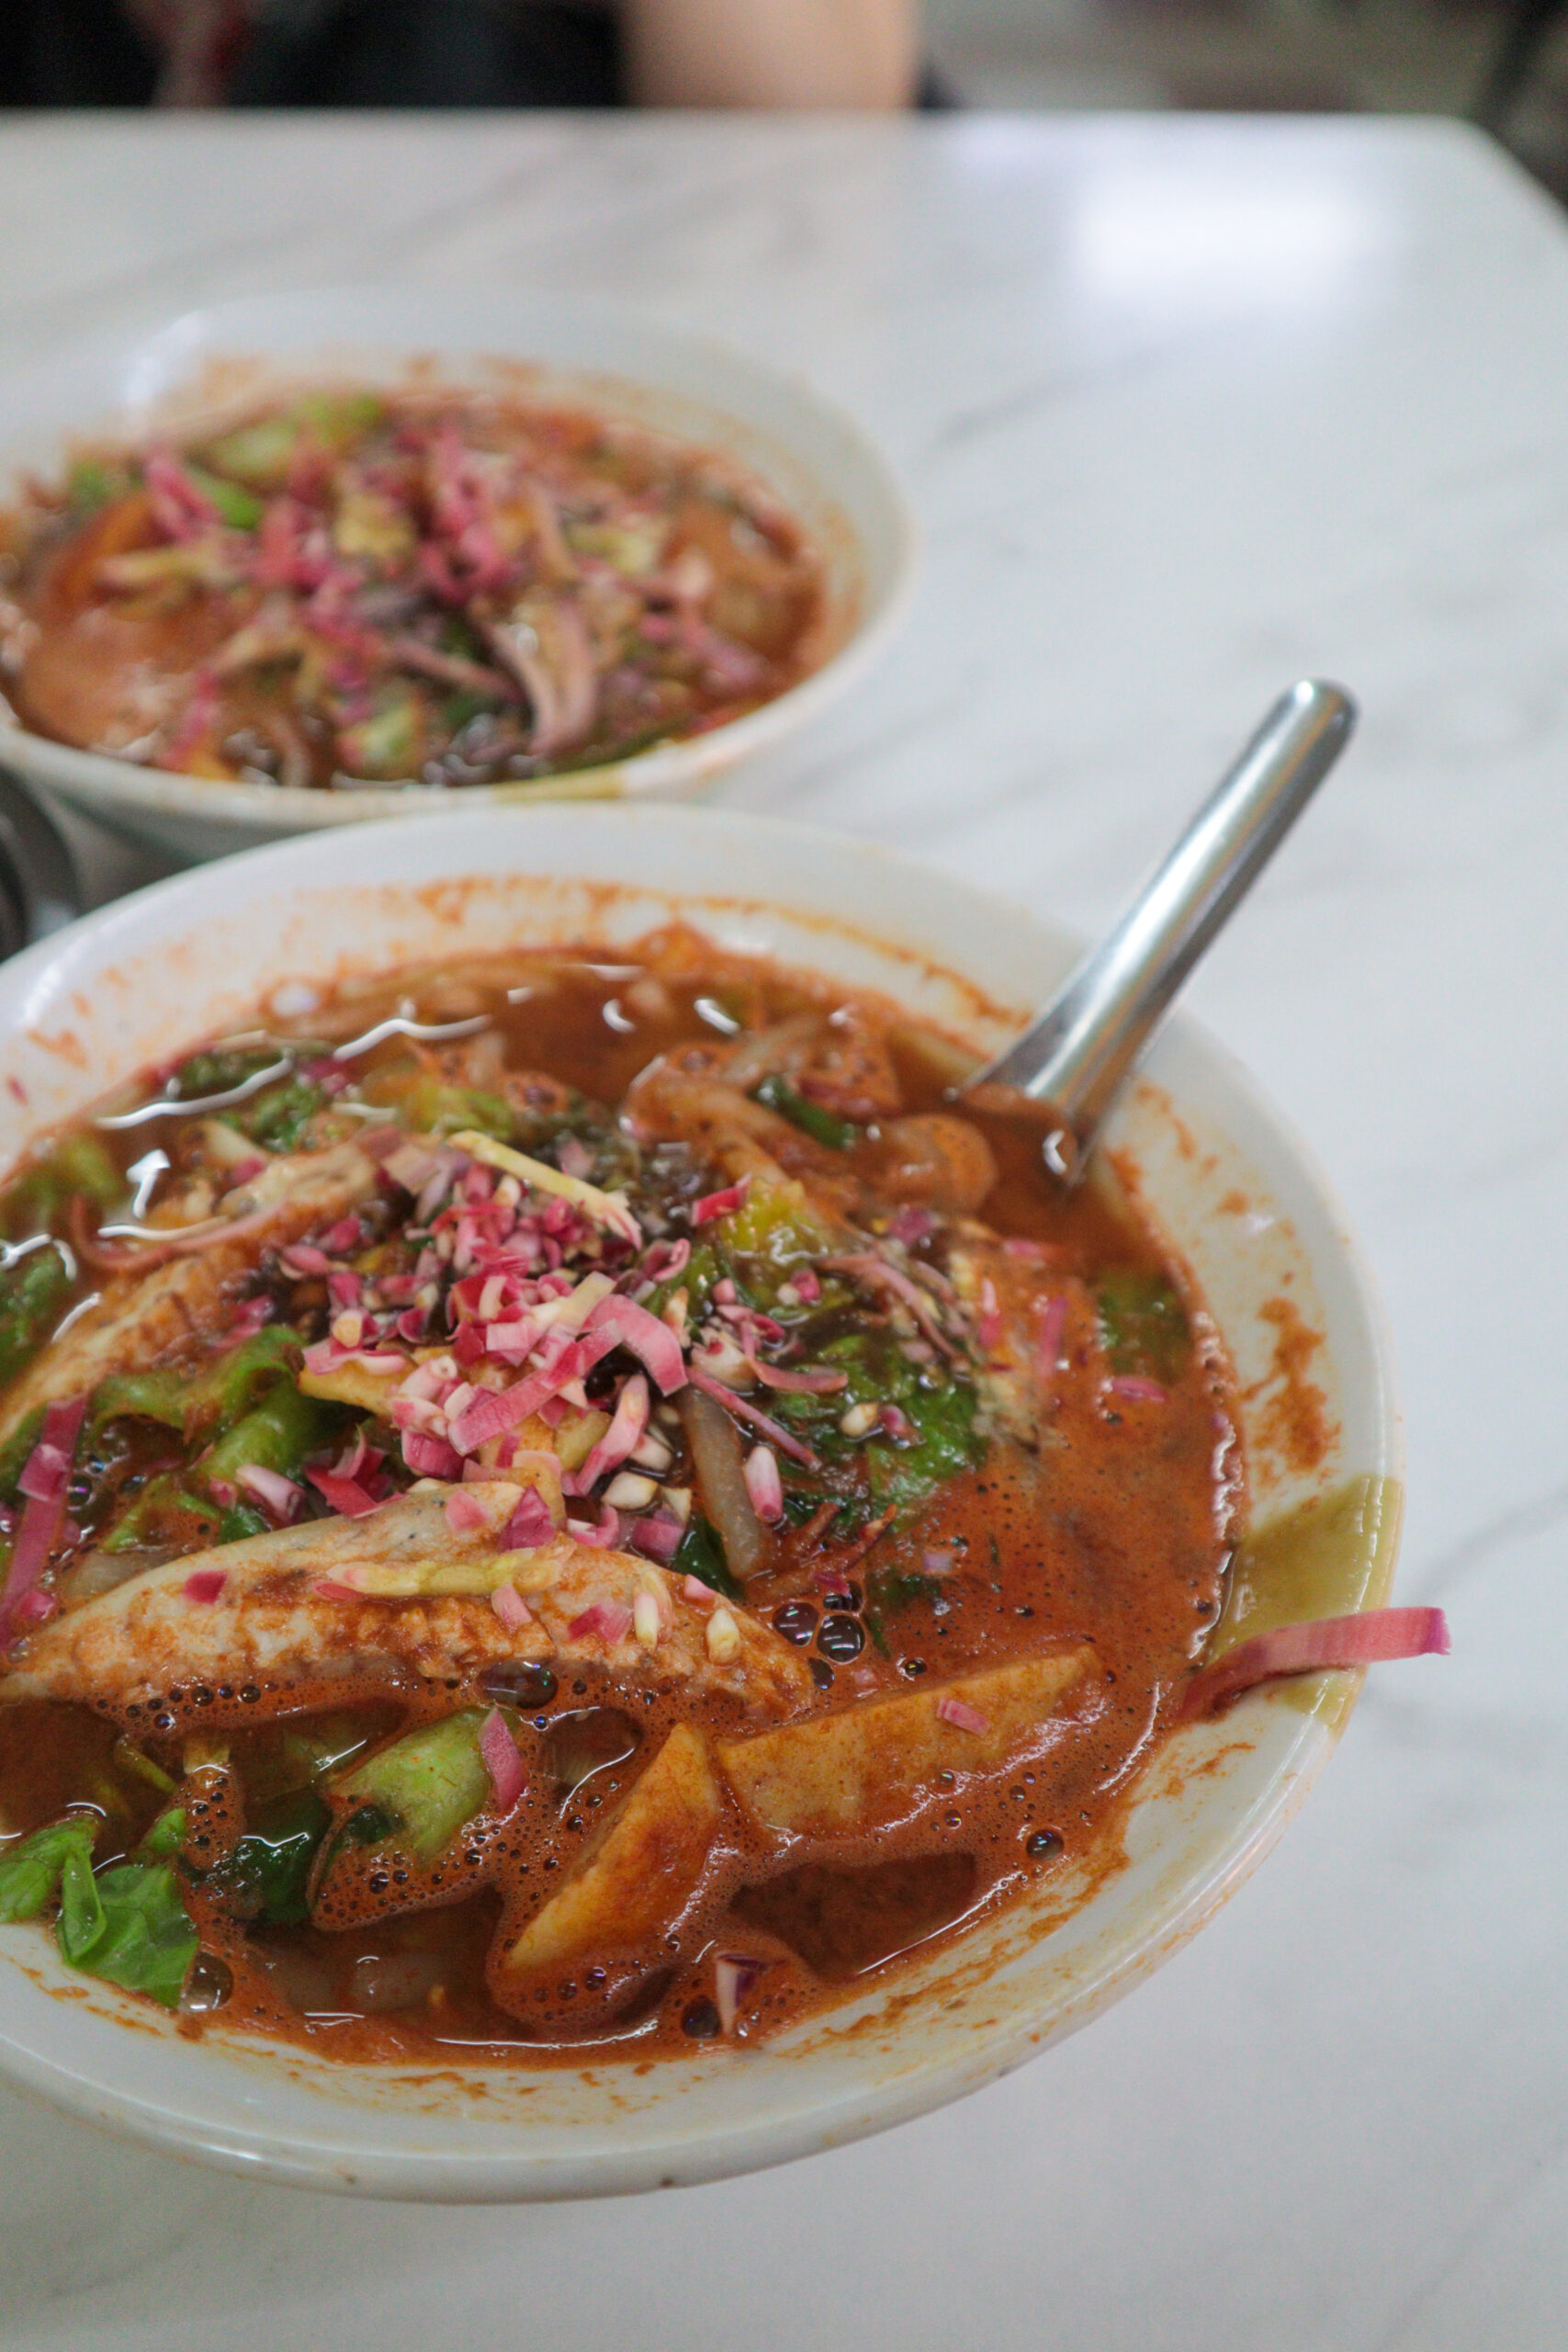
<point x="333" y="2156"/>
<point x="104" y="781"/>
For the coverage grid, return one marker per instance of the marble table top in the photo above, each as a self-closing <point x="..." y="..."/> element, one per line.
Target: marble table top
<point x="1186" y="407"/>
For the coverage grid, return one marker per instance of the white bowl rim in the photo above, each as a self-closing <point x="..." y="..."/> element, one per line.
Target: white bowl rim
<point x="343" y="2160"/>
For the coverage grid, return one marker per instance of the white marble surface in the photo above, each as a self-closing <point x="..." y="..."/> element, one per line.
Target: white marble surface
<point x="1186" y="407"/>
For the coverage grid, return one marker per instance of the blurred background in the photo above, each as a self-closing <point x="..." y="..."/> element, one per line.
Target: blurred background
<point x="1500" y="63"/>
<point x="1503" y="63"/>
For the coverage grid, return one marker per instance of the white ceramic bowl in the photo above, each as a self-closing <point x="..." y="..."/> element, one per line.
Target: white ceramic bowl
<point x="610" y="358"/>
<point x="1236" y="1195"/>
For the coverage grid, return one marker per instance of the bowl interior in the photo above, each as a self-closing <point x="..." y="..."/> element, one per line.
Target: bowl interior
<point x="197" y="369"/>
<point x="1235" y="1196"/>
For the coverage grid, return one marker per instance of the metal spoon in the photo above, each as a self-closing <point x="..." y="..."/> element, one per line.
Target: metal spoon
<point x="1078" y="1053"/>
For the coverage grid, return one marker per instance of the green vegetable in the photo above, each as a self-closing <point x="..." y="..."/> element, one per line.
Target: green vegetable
<point x="15" y="1452"/>
<point x="167" y="1834"/>
<point x="131" y="1758"/>
<point x="902" y="1476"/>
<point x="839" y="1134"/>
<point x="1143" y="1326"/>
<point x="91" y="485"/>
<point x="700" y="1553"/>
<point x="277" y="1435"/>
<point x="128" y="1924"/>
<point x="430" y="1106"/>
<point x="33" y="1292"/>
<point x="37" y="1197"/>
<point x="430" y="1781"/>
<point x="267" y="1875"/>
<point x="160" y="1498"/>
<point x="30" y="1871"/>
<point x="241" y="1520"/>
<point x="239" y="508"/>
<point x="260" y="454"/>
<point x="278" y="1116"/>
<point x="391" y="743"/>
<point x="219" y="1070"/>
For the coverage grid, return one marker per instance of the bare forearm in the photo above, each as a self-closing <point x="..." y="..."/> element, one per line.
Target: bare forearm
<point x="771" y="53"/>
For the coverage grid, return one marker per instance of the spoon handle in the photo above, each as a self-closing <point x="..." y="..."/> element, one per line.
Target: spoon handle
<point x="1085" y="1044"/>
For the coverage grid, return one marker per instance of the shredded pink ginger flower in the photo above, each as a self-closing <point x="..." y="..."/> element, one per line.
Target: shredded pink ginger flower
<point x="1365" y="1639"/>
<point x="961" y="1714"/>
<point x="44" y="1480"/>
<point x="498" y="1751"/>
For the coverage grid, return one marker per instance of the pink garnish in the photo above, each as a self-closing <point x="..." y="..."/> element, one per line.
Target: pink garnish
<point x="205" y="1584"/>
<point x="937" y="1563"/>
<point x="496" y="1409"/>
<point x="1146" y="1392"/>
<point x="743" y="1411"/>
<point x="256" y="1314"/>
<point x="626" y="1430"/>
<point x="1362" y="1640"/>
<point x="658" y="1536"/>
<point x="1053" y="1323"/>
<point x="529" y="1525"/>
<point x="279" y="1497"/>
<point x="763" y="1484"/>
<point x="501" y="1761"/>
<point x="734" y="1974"/>
<point x="327" y="1589"/>
<point x="36" y="1607"/>
<point x="576" y="1159"/>
<point x="651" y="1341"/>
<point x="897" y="1424"/>
<point x="989" y="1322"/>
<point x="45" y="1472"/>
<point x="807" y="1287"/>
<point x="720" y="1204"/>
<point x="345" y="1494"/>
<point x="961" y="1714"/>
<point x="608" y="1619"/>
<point x="465" y="1512"/>
<point x="798" y="1382"/>
<point x="662" y="1260"/>
<point x="511" y="1607"/>
<point x="431" y="1457"/>
<point x="880" y="1275"/>
<point x="601" y="1534"/>
<point x="42" y="1519"/>
<point x="910" y="1225"/>
<point x="223" y="1493"/>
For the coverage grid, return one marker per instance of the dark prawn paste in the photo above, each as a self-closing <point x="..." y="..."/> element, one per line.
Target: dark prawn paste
<point x="576" y="1499"/>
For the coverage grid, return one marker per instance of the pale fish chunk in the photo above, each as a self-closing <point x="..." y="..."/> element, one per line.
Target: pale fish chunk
<point x="404" y="1593"/>
<point x="138" y="1320"/>
<point x="640" y="1875"/>
<point x="836" y="1774"/>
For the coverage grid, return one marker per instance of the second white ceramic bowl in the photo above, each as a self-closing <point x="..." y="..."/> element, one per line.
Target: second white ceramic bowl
<point x="1235" y="1195"/>
<point x="601" y="356"/>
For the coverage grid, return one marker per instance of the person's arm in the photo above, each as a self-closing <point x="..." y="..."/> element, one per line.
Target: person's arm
<point x="771" y="53"/>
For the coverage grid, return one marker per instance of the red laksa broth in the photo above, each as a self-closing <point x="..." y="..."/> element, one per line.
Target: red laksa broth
<point x="576" y="1499"/>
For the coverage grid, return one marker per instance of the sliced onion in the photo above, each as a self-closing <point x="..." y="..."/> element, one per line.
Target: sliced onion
<point x="961" y="1714"/>
<point x="281" y="1497"/>
<point x="721" y="1478"/>
<point x="204" y="1584"/>
<point x="774" y="1430"/>
<point x="764" y="1483"/>
<point x="1365" y="1639"/>
<point x="650" y="1341"/>
<point x="511" y="1607"/>
<point x="501" y="1761"/>
<point x="734" y="1974"/>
